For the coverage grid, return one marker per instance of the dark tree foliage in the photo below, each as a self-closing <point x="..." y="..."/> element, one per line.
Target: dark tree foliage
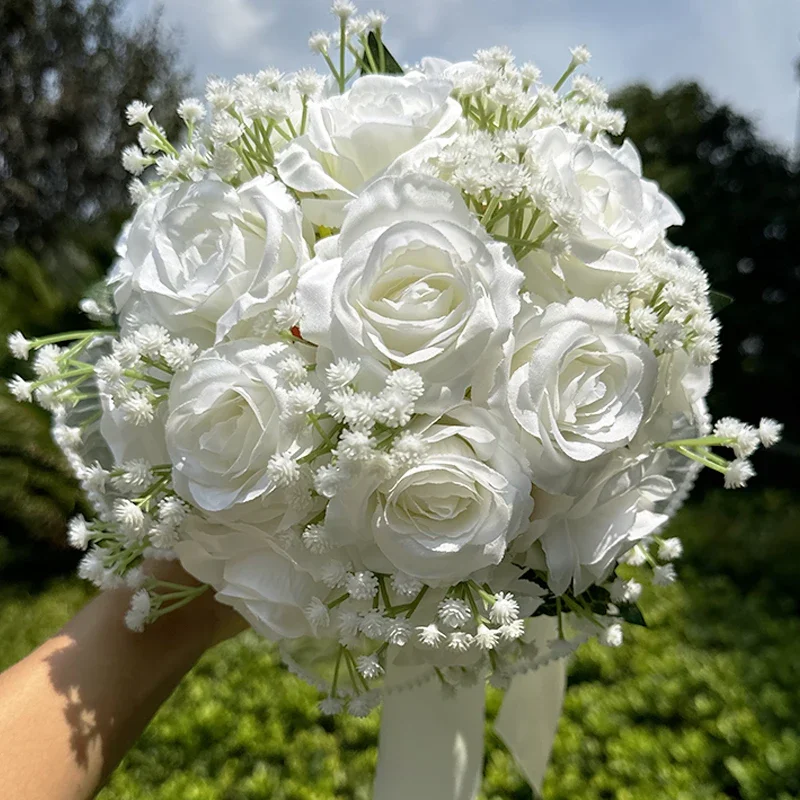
<point x="68" y="69"/>
<point x="741" y="200"/>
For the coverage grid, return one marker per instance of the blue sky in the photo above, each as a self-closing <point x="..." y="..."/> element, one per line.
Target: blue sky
<point x="742" y="50"/>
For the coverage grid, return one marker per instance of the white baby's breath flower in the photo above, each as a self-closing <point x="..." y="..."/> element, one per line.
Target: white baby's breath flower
<point x="78" y="532"/>
<point x="302" y="399"/>
<point x="504" y="610"/>
<point x="46" y="361"/>
<point x="362" y="586"/>
<point x="151" y="339"/>
<point x="331" y="705"/>
<point x="375" y="19"/>
<point x="356" y="26"/>
<point x="486" y="638"/>
<point x="138" y="113"/>
<point x="282" y="469"/>
<point x="739" y="471"/>
<point x="334" y="574"/>
<point x="622" y="591"/>
<point x="179" y="354"/>
<point x="133" y="476"/>
<point x="139" y="611"/>
<point x="670" y="549"/>
<point x="356" y="446"/>
<point x="226" y="131"/>
<point x="374" y="624"/>
<point x="172" y="511"/>
<point x="343" y="9"/>
<point x="138" y="408"/>
<point x="611" y="636"/>
<point x="394" y="408"/>
<point x="317" y="614"/>
<point x="130" y="518"/>
<point x="513" y="630"/>
<point x="19" y="346"/>
<point x="644" y="321"/>
<point x="770" y="431"/>
<point x="293" y="369"/>
<point x="225" y="162"/>
<point x="430" y="635"/>
<point x="580" y="55"/>
<point x="636" y="557"/>
<point x="137" y="191"/>
<point x="20" y="389"/>
<point x="340" y="373"/>
<point x="361" y="705"/>
<point x="220" y="94"/>
<point x="191" y="110"/>
<point x="127" y="351"/>
<point x="94" y="477"/>
<point x="399" y="632"/>
<point x="369" y="666"/>
<point x="454" y="613"/>
<point x="316" y="540"/>
<point x="664" y="575"/>
<point x="407" y="381"/>
<point x="287" y="313"/>
<point x="150" y="140"/>
<point x="329" y="479"/>
<point x="347" y="622"/>
<point x="405" y="585"/>
<point x="134" y="160"/>
<point x="460" y="641"/>
<point x="135" y="578"/>
<point x="319" y="42"/>
<point x="91" y="567"/>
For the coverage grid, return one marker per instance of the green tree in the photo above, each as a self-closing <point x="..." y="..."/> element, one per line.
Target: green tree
<point x="69" y="69"/>
<point x="742" y="205"/>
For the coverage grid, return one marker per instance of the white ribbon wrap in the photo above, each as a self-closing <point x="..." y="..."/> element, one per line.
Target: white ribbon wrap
<point x="431" y="746"/>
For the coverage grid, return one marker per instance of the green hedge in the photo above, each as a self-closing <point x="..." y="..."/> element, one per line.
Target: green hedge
<point x="703" y="704"/>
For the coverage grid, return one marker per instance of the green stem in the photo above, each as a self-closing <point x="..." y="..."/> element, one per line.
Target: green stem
<point x="342" y="51"/>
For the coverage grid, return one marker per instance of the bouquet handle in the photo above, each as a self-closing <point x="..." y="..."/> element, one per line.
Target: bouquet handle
<point x="431" y="746"/>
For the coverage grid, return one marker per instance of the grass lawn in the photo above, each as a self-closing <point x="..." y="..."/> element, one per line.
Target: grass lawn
<point x="703" y="704"/>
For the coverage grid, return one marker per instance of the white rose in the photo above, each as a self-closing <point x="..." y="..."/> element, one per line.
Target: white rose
<point x="453" y="514"/>
<point x="581" y="535"/>
<point x="224" y="425"/>
<point x="619" y="214"/>
<point x="196" y="251"/>
<point x="252" y="575"/>
<point x="354" y="136"/>
<point x="575" y="387"/>
<point x="414" y="281"/>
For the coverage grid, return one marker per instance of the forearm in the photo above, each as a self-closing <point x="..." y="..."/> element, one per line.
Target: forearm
<point x="73" y="707"/>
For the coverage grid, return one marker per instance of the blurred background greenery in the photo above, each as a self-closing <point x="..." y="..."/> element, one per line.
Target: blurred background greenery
<point x="705" y="703"/>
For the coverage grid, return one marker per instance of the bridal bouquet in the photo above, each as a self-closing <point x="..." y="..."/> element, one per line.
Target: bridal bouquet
<point x="394" y="361"/>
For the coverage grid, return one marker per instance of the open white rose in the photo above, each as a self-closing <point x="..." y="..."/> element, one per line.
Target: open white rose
<point x="577" y="388"/>
<point x="451" y="515"/>
<point x="618" y="215"/>
<point x="224" y="425"/>
<point x="196" y="251"/>
<point x="583" y="533"/>
<point x="412" y="281"/>
<point x="251" y="574"/>
<point x="354" y="136"/>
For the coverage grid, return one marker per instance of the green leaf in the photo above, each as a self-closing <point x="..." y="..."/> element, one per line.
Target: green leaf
<point x="389" y="62"/>
<point x="719" y="300"/>
<point x="633" y="614"/>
